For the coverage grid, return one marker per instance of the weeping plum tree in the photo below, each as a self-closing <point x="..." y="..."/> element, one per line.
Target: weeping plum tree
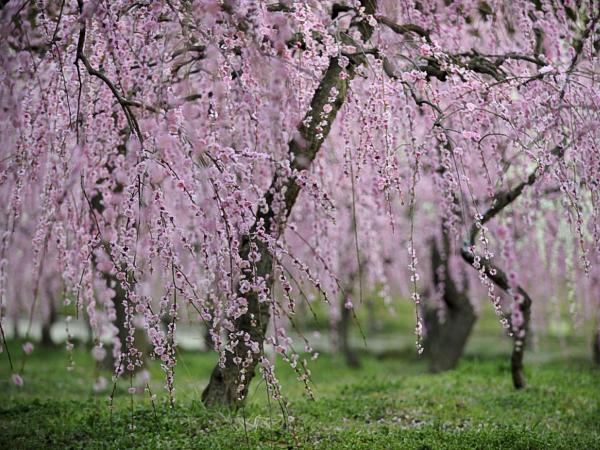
<point x="224" y="137"/>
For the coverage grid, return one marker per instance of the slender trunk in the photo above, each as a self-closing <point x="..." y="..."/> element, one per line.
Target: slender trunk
<point x="46" y="338"/>
<point x="520" y="335"/>
<point x="15" y="324"/>
<point x="446" y="337"/>
<point x="344" y="335"/>
<point x="120" y="303"/>
<point x="596" y="347"/>
<point x="229" y="382"/>
<point x="120" y="298"/>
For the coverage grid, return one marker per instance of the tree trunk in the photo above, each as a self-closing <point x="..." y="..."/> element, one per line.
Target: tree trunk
<point x="228" y="385"/>
<point x="520" y="336"/>
<point x="344" y="335"/>
<point x="596" y="347"/>
<point x="46" y="338"/>
<point x="15" y="324"/>
<point x="208" y="340"/>
<point x="120" y="303"/>
<point x="446" y="339"/>
<point x="120" y="298"/>
<point x="229" y="382"/>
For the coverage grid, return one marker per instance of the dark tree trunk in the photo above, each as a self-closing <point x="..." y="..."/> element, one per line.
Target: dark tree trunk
<point x="344" y="335"/>
<point x="120" y="299"/>
<point x="120" y="303"/>
<point x="46" y="338"/>
<point x="208" y="340"/>
<point x="446" y="339"/>
<point x="520" y="337"/>
<point x="224" y="385"/>
<point x="501" y="200"/>
<point x="228" y="385"/>
<point x="596" y="347"/>
<point x="15" y="324"/>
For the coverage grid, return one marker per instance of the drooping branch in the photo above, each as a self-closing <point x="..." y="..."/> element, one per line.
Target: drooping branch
<point x="404" y="28"/>
<point x="125" y="103"/>
<point x="503" y="199"/>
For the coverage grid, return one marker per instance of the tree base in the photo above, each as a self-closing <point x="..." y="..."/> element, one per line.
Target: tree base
<point x="445" y="342"/>
<point x="219" y="391"/>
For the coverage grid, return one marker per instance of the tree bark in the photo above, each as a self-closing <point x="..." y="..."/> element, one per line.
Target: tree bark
<point x="224" y="385"/>
<point x="119" y="301"/>
<point x="596" y="347"/>
<point x="208" y="340"/>
<point x="15" y="325"/>
<point x="445" y="340"/>
<point x="343" y="330"/>
<point x="46" y="338"/>
<point x="229" y="382"/>
<point x="520" y="336"/>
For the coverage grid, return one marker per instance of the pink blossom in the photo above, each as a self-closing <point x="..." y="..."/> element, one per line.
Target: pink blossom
<point x="27" y="348"/>
<point x="99" y="353"/>
<point x="17" y="380"/>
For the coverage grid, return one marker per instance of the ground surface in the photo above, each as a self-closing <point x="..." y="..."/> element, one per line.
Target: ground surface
<point x="389" y="403"/>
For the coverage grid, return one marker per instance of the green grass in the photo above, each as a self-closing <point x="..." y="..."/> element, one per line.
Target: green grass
<point x="391" y="402"/>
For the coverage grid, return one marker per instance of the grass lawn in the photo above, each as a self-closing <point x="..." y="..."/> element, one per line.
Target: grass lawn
<point x="391" y="402"/>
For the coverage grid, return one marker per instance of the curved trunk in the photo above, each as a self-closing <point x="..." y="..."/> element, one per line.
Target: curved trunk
<point x="500" y="279"/>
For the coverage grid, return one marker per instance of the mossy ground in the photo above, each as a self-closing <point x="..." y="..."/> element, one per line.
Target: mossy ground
<point x="390" y="402"/>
